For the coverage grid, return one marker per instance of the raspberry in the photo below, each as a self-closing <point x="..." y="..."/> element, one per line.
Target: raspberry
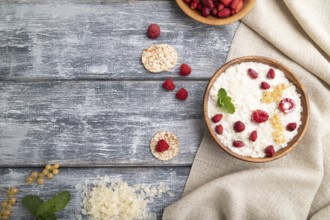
<point x="220" y="7"/>
<point x="206" y="12"/>
<point x="234" y="4"/>
<point x="286" y="105"/>
<point x="169" y="85"/>
<point x="238" y="144"/>
<point x="208" y="3"/>
<point x="239" y="6"/>
<point x="264" y="86"/>
<point x="259" y="116"/>
<point x="224" y="13"/>
<point x="253" y="136"/>
<point x="269" y="151"/>
<point x="199" y="6"/>
<point x="219" y="129"/>
<point x="252" y="73"/>
<point x="239" y="126"/>
<point x="162" y="146"/>
<point x="153" y="31"/>
<point x="185" y="69"/>
<point x="271" y="74"/>
<point x="193" y="5"/>
<point x="182" y="94"/>
<point x="226" y="2"/>
<point x="291" y="126"/>
<point x="214" y="11"/>
<point x="217" y="118"/>
<point x="187" y="1"/>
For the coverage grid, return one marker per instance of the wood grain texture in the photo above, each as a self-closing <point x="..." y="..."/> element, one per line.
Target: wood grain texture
<point x="102" y="39"/>
<point x="95" y="123"/>
<point x="174" y="178"/>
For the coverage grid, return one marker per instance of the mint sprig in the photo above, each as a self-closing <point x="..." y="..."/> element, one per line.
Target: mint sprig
<point x="32" y="203"/>
<point x="46" y="210"/>
<point x="224" y="102"/>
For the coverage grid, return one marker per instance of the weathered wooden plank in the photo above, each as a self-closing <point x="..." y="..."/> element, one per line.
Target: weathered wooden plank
<point x="174" y="178"/>
<point x="95" y="123"/>
<point x="102" y="39"/>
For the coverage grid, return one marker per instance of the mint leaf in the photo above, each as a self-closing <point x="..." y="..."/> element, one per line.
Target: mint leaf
<point x="229" y="107"/>
<point x="55" y="204"/>
<point x="45" y="209"/>
<point x="32" y="203"/>
<point x="224" y="101"/>
<point x="221" y="95"/>
<point x="48" y="217"/>
<point x="61" y="200"/>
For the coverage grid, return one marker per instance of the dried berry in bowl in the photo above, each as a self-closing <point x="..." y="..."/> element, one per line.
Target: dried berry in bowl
<point x="219" y="9"/>
<point x="216" y="12"/>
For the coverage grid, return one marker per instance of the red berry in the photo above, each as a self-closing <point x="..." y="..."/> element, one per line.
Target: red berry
<point x="269" y="151"/>
<point x="220" y="7"/>
<point x="238" y="144"/>
<point x="271" y="74"/>
<point x="214" y="11"/>
<point x="182" y="94"/>
<point x="205" y="12"/>
<point x="252" y="73"/>
<point x="234" y="4"/>
<point x="169" y="85"/>
<point x="162" y="146"/>
<point x="239" y="126"/>
<point x="219" y="129"/>
<point x="224" y="13"/>
<point x="253" y="136"/>
<point x="264" y="86"/>
<point x="208" y="3"/>
<point x="239" y="6"/>
<point x="226" y="2"/>
<point x="153" y="31"/>
<point x="185" y="69"/>
<point x="291" y="126"/>
<point x="259" y="116"/>
<point x="199" y="7"/>
<point x="217" y="118"/>
<point x="187" y="1"/>
<point x="193" y="5"/>
<point x="286" y="105"/>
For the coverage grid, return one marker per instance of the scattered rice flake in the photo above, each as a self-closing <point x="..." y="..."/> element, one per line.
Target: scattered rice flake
<point x="104" y="200"/>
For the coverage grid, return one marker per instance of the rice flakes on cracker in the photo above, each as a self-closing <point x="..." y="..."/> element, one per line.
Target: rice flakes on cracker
<point x="159" y="57"/>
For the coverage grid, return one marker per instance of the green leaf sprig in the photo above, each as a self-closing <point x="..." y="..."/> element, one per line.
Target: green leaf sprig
<point x="224" y="102"/>
<point x="45" y="210"/>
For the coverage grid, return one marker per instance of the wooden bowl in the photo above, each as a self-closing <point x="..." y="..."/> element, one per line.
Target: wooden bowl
<point x="290" y="76"/>
<point x="194" y="14"/>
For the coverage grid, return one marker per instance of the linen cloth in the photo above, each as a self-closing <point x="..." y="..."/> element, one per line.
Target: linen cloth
<point x="296" y="186"/>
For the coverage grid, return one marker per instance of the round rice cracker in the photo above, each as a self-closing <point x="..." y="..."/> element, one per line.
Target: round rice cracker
<point x="171" y="139"/>
<point x="159" y="57"/>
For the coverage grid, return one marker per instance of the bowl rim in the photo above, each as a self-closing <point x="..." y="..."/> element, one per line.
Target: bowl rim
<point x="194" y="14"/>
<point x="291" y="77"/>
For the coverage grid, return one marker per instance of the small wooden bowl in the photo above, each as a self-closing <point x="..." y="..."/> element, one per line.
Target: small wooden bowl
<point x="194" y="14"/>
<point x="289" y="75"/>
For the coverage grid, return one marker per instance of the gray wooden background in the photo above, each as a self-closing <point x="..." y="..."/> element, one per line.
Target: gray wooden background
<point x="73" y="91"/>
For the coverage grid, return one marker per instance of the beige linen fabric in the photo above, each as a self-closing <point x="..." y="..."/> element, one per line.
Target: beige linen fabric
<point x="297" y="186"/>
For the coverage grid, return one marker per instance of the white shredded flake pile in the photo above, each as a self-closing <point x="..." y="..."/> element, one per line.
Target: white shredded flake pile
<point x="103" y="200"/>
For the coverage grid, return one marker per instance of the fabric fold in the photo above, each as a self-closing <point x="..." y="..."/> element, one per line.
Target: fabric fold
<point x="296" y="186"/>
